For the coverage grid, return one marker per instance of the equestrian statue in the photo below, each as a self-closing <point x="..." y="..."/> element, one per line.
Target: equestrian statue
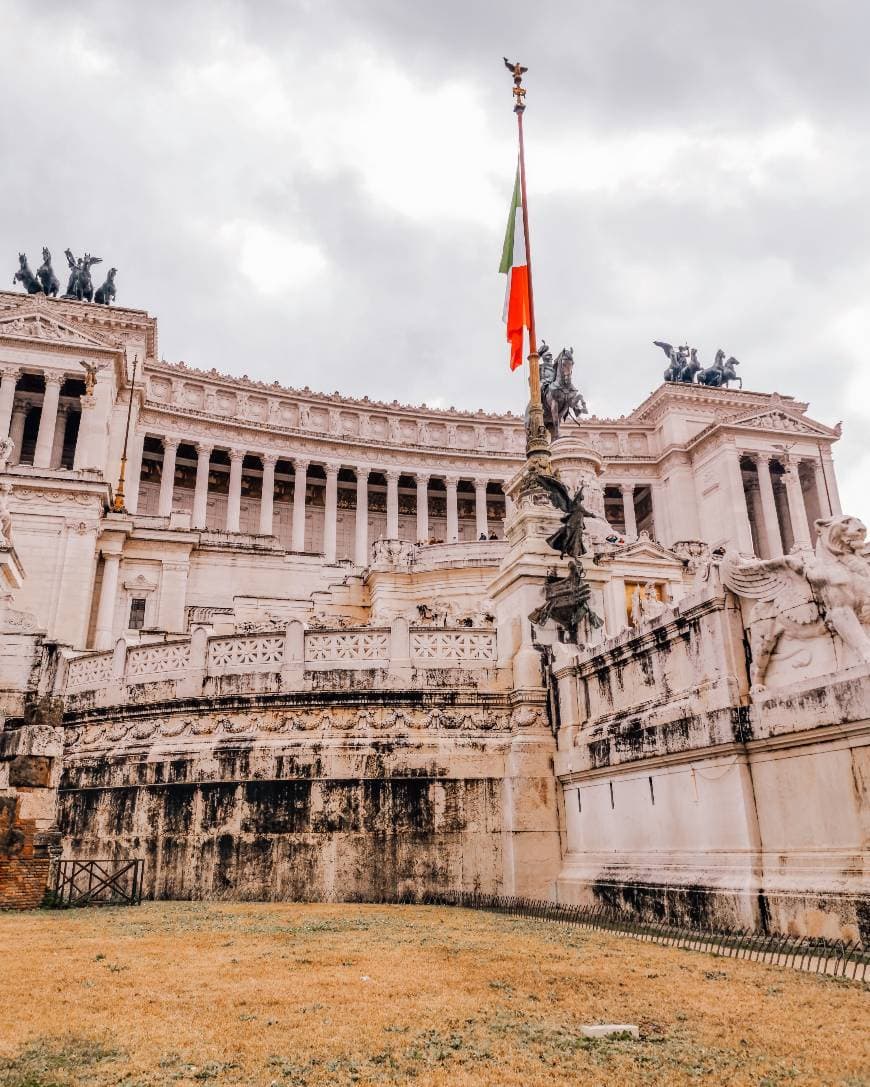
<point x="685" y="367"/>
<point x="559" y="396"/>
<point x="80" y="286"/>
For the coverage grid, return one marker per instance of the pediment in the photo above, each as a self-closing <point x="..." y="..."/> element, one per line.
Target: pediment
<point x="781" y="421"/>
<point x="645" y="549"/>
<point x="39" y="326"/>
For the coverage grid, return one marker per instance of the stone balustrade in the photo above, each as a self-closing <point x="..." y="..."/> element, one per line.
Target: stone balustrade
<point x="191" y="666"/>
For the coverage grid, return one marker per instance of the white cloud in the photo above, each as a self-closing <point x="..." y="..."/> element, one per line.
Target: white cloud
<point x="272" y="261"/>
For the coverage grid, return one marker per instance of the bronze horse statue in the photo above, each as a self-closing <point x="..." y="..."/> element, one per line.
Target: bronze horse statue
<point x="105" y="294"/>
<point x="683" y="362"/>
<point x="559" y="396"/>
<point x="45" y="272"/>
<point x="24" y="276"/>
<point x="80" y="286"/>
<point x="721" y="372"/>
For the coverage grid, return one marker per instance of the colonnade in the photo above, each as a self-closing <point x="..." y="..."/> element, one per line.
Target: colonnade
<point x="300" y="471"/>
<point x="757" y="503"/>
<point x="52" y="420"/>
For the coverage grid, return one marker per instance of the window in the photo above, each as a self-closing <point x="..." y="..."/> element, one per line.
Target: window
<point x="137" y="613"/>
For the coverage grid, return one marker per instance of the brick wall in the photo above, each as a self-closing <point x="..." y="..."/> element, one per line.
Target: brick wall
<point x="24" y="859"/>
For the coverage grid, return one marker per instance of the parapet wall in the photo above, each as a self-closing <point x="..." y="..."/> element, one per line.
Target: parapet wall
<point x="686" y="797"/>
<point x="353" y="764"/>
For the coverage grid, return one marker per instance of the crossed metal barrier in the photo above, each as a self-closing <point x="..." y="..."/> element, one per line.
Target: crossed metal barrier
<point x="98" y="883"/>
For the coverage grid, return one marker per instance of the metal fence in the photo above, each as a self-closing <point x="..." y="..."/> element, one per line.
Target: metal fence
<point x="97" y="883"/>
<point x="834" y="958"/>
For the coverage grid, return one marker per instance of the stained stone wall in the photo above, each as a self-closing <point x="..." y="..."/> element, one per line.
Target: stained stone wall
<point x="336" y="796"/>
<point x="688" y="798"/>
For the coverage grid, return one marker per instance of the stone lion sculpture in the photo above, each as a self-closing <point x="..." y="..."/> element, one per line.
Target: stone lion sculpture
<point x="802" y="595"/>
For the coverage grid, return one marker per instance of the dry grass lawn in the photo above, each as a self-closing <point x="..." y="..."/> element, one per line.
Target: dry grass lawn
<point x="194" y="994"/>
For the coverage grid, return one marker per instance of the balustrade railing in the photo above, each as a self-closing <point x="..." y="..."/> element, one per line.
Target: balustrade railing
<point x="290" y="652"/>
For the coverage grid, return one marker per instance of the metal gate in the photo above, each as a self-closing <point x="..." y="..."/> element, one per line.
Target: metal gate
<point x="98" y="883"/>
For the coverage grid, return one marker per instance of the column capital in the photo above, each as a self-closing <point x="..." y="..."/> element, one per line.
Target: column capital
<point x="269" y="460"/>
<point x="363" y="471"/>
<point x="481" y="484"/>
<point x="171" y="443"/>
<point x="451" y="482"/>
<point x="236" y="456"/>
<point x="392" y="475"/>
<point x="422" y="478"/>
<point x="7" y="371"/>
<point x="203" y="449"/>
<point x="627" y="488"/>
<point x="54" y="379"/>
<point x="332" y="470"/>
<point x="300" y="464"/>
<point x="762" y="458"/>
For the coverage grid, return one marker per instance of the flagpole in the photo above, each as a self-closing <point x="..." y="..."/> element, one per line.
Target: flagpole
<point x="118" y="506"/>
<point x="537" y="438"/>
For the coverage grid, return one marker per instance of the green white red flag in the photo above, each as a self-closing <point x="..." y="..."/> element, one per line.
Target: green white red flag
<point x="515" y="266"/>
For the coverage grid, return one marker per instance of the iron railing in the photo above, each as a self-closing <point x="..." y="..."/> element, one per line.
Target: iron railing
<point x="98" y="883"/>
<point x="834" y="958"/>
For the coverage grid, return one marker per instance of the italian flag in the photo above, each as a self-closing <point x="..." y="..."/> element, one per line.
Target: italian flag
<point x="515" y="266"/>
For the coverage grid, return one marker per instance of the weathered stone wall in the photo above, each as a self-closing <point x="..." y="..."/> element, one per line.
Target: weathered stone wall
<point x="325" y="796"/>
<point x="685" y="798"/>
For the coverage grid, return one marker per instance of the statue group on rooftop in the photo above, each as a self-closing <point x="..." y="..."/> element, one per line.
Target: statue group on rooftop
<point x="80" y="287"/>
<point x="685" y="366"/>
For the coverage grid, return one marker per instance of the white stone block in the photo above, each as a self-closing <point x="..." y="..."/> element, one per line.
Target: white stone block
<point x="606" y="1030"/>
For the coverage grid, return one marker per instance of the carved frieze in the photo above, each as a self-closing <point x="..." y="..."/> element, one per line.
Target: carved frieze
<point x="340" y="719"/>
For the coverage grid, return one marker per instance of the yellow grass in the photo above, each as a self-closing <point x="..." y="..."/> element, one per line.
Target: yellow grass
<point x="313" y="995"/>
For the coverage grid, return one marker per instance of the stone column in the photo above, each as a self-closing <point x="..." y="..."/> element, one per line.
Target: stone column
<point x="629" y="515"/>
<point x="16" y="430"/>
<point x="59" y="434"/>
<point x="200" y="490"/>
<point x="660" y="528"/>
<point x="757" y="515"/>
<point x="267" y="500"/>
<point x="820" y="472"/>
<point x="451" y="483"/>
<point x="134" y="471"/>
<point x="392" y="504"/>
<point x="8" y="381"/>
<point x="361" y="550"/>
<point x="422" y="508"/>
<point x="796" y="509"/>
<point x="481" y="525"/>
<point x="108" y="596"/>
<point x="47" y="421"/>
<point x="741" y="533"/>
<point x="329" y="514"/>
<point x="770" y="522"/>
<point x="234" y="498"/>
<point x="167" y="476"/>
<point x="833" y="490"/>
<point x="300" y="471"/>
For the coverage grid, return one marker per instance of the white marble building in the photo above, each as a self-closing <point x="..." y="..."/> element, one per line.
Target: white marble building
<point x="244" y="496"/>
<point x="299" y="661"/>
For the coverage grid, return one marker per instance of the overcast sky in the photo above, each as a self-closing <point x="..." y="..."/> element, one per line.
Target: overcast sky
<point x="316" y="192"/>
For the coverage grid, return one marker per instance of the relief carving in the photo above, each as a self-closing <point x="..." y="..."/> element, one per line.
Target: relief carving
<point x="801" y="596"/>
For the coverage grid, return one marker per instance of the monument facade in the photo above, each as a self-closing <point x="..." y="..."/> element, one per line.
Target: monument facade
<point x="306" y="653"/>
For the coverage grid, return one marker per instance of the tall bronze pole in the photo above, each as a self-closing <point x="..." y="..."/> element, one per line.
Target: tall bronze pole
<point x="118" y="503"/>
<point x="537" y="438"/>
